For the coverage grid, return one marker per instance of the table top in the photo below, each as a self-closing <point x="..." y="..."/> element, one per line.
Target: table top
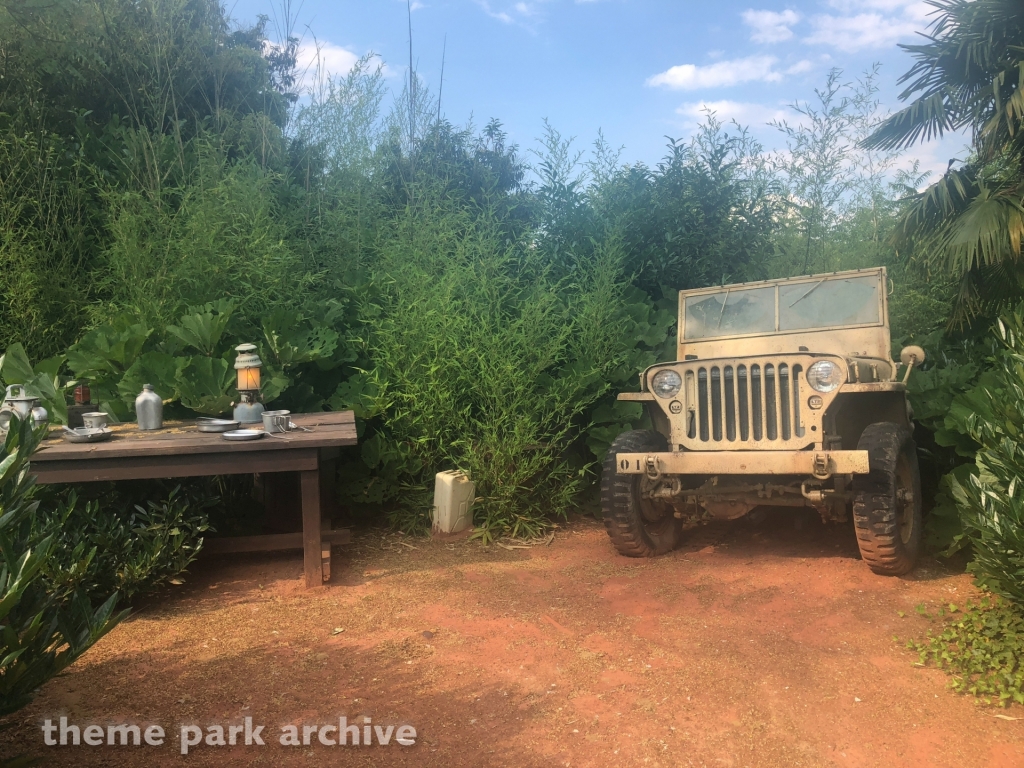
<point x="326" y="430"/>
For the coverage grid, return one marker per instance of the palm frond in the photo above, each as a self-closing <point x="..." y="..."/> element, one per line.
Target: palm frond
<point x="968" y="72"/>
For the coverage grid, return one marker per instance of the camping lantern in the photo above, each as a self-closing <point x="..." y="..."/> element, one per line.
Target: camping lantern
<point x="249" y="410"/>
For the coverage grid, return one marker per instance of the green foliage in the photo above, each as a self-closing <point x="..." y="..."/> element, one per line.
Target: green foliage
<point x="205" y="384"/>
<point x="202" y="330"/>
<point x="705" y="214"/>
<point x="104" y="355"/>
<point x="944" y="533"/>
<point x="111" y="544"/>
<point x="156" y="368"/>
<point x="42" y="381"/>
<point x="830" y="186"/>
<point x="215" y="235"/>
<point x="41" y="632"/>
<point x="992" y="510"/>
<point x="981" y="647"/>
<point x="970" y="223"/>
<point x="50" y="224"/>
<point x="101" y="102"/>
<point x="118" y="358"/>
<point x="485" y="361"/>
<point x="108" y="350"/>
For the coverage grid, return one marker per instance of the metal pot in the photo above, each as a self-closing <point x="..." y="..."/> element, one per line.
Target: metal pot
<point x="20" y="401"/>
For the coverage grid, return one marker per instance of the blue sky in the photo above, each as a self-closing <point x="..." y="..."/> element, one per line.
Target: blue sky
<point x="637" y="69"/>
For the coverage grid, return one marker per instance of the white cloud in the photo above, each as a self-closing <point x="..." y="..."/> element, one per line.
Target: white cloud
<point x="770" y="26"/>
<point x="865" y="30"/>
<point x="804" y="65"/>
<point x="524" y="14"/>
<point x="322" y="58"/>
<point x="501" y="16"/>
<point x="906" y="7"/>
<point x="689" y="77"/>
<point x="744" y="113"/>
<point x="529" y="14"/>
<point x="869" y="23"/>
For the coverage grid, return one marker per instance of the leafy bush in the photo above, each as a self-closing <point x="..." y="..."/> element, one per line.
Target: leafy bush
<point x="213" y="237"/>
<point x="949" y="384"/>
<point x="486" y="362"/>
<point x="992" y="499"/>
<point x="41" y="631"/>
<point x="190" y="362"/>
<point x="981" y="647"/>
<point x="111" y="544"/>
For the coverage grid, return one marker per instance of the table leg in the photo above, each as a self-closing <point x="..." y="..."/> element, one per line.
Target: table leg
<point x="311" y="552"/>
<point x="328" y="505"/>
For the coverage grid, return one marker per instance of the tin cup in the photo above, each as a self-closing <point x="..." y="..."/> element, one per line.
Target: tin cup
<point x="95" y="420"/>
<point x="276" y="421"/>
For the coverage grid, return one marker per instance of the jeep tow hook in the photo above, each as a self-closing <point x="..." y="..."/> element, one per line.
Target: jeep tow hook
<point x="651" y="465"/>
<point x="822" y="467"/>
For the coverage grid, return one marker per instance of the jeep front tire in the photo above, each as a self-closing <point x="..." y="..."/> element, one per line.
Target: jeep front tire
<point x="887" y="500"/>
<point x="638" y="527"/>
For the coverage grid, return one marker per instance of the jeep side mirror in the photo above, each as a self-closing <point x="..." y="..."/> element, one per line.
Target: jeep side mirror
<point x="911" y="356"/>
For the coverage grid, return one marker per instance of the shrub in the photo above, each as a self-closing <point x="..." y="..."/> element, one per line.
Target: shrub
<point x="113" y="544"/>
<point x="992" y="500"/>
<point x="41" y="632"/>
<point x="486" y="362"/>
<point x="64" y="565"/>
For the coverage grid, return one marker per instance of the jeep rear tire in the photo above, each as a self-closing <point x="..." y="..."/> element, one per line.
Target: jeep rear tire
<point x="638" y="527"/>
<point x="887" y="500"/>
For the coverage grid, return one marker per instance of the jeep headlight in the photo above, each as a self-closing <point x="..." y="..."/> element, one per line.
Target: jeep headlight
<point x="666" y="383"/>
<point x="824" y="376"/>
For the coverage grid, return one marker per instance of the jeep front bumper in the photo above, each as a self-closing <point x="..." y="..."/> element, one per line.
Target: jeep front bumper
<point x="819" y="464"/>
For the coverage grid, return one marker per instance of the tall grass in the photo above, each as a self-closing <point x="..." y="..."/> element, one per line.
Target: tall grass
<point x="47" y="240"/>
<point x="216" y="235"/>
<point x="485" y="362"/>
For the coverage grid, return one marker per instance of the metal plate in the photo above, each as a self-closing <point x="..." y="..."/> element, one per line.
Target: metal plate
<point x="216" y="425"/>
<point x="244" y="434"/>
<point x="88" y="435"/>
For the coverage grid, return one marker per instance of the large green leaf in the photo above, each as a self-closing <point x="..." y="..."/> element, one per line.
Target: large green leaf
<point x="292" y="343"/>
<point x="156" y="368"/>
<point x="15" y="367"/>
<point x="108" y="350"/>
<point x="205" y="384"/>
<point x="274" y="382"/>
<point x="202" y="330"/>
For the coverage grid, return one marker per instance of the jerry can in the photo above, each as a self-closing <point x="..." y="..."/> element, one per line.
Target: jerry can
<point x="453" y="501"/>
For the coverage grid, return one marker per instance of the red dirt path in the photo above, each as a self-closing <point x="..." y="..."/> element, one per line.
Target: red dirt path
<point x="750" y="646"/>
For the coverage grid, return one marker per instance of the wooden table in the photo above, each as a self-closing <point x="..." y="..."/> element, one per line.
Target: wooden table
<point x="179" y="450"/>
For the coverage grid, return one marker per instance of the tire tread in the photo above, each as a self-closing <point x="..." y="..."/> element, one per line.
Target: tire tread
<point x="620" y="518"/>
<point x="875" y="515"/>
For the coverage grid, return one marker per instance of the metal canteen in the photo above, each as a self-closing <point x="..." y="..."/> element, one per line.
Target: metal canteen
<point x="149" y="409"/>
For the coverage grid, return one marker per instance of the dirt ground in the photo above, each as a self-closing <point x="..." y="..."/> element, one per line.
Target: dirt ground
<point x="766" y="645"/>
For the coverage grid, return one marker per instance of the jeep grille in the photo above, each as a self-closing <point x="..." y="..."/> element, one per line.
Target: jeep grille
<point x="756" y="401"/>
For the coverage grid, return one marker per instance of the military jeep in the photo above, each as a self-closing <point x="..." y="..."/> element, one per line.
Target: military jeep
<point x="783" y="393"/>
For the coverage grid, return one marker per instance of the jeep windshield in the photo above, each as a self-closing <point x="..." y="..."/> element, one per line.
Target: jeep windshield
<point x="826" y="302"/>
